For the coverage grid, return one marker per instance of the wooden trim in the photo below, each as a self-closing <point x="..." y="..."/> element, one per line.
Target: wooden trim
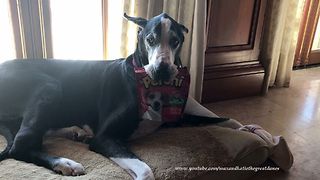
<point x="301" y="35"/>
<point x="31" y="28"/>
<point x="45" y="25"/>
<point x="17" y="29"/>
<point x="238" y="69"/>
<point x="243" y="64"/>
<point x="42" y="30"/>
<point x="307" y="29"/>
<point x="105" y="28"/>
<point x="313" y="31"/>
<point x="260" y="28"/>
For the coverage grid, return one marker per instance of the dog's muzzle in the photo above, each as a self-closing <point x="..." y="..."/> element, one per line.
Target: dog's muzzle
<point x="162" y="72"/>
<point x="156" y="106"/>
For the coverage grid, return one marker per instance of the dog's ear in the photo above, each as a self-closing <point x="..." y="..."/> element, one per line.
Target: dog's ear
<point x="183" y="28"/>
<point x="137" y="20"/>
<point x="146" y="94"/>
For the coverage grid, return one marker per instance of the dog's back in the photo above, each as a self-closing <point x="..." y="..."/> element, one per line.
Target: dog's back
<point x="80" y="87"/>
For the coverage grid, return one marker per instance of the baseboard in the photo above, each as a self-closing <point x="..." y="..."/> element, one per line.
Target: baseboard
<point x="230" y="82"/>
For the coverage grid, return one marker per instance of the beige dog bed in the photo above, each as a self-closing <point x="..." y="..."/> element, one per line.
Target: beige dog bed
<point x="170" y="152"/>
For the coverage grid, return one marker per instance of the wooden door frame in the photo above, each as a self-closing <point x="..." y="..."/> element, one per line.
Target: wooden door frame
<point x="307" y="30"/>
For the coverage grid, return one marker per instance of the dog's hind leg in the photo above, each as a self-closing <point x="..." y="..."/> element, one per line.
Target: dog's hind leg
<point x="117" y="151"/>
<point x="75" y="133"/>
<point x="195" y="114"/>
<point x="46" y="96"/>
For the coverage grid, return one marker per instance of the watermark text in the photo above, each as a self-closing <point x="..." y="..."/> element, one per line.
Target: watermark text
<point x="235" y="168"/>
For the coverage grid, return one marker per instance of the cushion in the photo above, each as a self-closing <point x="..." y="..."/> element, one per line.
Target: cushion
<point x="170" y="152"/>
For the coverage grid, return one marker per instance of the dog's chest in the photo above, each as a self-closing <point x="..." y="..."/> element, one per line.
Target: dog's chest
<point x="145" y="127"/>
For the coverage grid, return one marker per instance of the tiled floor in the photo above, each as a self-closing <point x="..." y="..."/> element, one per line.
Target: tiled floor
<point x="292" y="112"/>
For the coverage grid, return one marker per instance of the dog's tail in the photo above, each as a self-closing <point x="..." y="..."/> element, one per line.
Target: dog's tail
<point x="9" y="137"/>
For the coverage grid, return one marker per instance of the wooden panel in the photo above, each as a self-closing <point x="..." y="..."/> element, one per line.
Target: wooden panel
<point x="238" y="51"/>
<point x="314" y="57"/>
<point x="227" y="57"/>
<point x="232" y="67"/>
<point x="247" y="83"/>
<point x="229" y="23"/>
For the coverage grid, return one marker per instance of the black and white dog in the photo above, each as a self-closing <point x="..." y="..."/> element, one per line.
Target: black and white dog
<point x="37" y="95"/>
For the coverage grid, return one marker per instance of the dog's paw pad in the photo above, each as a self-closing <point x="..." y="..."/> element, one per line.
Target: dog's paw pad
<point x="78" y="134"/>
<point x="68" y="167"/>
<point x="81" y="135"/>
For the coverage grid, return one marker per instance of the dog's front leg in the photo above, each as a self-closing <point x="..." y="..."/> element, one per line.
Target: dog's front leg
<point x="196" y="114"/>
<point x="117" y="151"/>
<point x="27" y="147"/>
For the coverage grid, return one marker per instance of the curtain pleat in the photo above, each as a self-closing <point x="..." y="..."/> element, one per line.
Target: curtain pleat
<point x="279" y="41"/>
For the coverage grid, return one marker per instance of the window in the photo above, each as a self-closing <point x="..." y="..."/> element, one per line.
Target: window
<point x="77" y="31"/>
<point x="7" y="49"/>
<point x="316" y="40"/>
<point x="62" y="29"/>
<point x="114" y="33"/>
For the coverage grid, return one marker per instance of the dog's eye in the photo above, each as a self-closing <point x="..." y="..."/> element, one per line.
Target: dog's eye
<point x="151" y="96"/>
<point x="151" y="40"/>
<point x="175" y="42"/>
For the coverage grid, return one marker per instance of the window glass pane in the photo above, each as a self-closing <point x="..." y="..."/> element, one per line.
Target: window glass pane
<point x="77" y="29"/>
<point x="115" y="18"/>
<point x="7" y="49"/>
<point x="316" y="40"/>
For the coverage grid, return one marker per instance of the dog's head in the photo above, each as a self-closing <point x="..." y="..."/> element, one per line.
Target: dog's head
<point x="155" y="99"/>
<point x="159" y="45"/>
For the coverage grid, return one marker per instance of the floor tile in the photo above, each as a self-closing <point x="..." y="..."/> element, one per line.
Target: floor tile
<point x="292" y="112"/>
<point x="291" y="121"/>
<point x="271" y="126"/>
<point x="241" y="109"/>
<point x="312" y="135"/>
<point x="295" y="99"/>
<point x="308" y="171"/>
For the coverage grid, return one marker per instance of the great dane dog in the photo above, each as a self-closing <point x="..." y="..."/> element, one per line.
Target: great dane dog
<point x="38" y="95"/>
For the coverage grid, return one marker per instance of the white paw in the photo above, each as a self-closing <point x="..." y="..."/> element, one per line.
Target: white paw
<point x="146" y="175"/>
<point x="68" y="167"/>
<point x="136" y="168"/>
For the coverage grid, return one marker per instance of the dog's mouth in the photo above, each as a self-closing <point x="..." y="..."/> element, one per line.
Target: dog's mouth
<point x="156" y="109"/>
<point x="162" y="71"/>
<point x="156" y="106"/>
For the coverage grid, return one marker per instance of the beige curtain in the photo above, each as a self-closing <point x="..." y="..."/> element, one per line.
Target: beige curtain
<point x="280" y="39"/>
<point x="190" y="13"/>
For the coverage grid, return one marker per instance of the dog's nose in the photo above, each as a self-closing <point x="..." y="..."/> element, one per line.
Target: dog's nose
<point x="156" y="106"/>
<point x="162" y="71"/>
<point x="163" y="67"/>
